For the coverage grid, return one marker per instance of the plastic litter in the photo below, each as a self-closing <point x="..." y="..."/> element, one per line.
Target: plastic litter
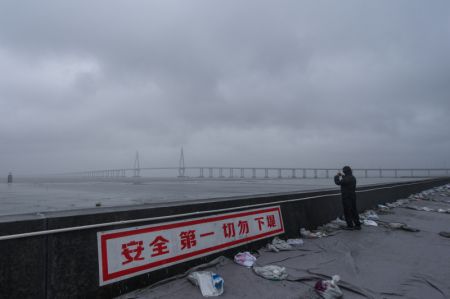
<point x="332" y="226"/>
<point x="245" y="259"/>
<point x="311" y="235"/>
<point x="369" y="222"/>
<point x="328" y="289"/>
<point x="426" y="209"/>
<point x="444" y="211"/>
<point x="279" y="245"/>
<point x="272" y="272"/>
<point x="217" y="262"/>
<point x="431" y="194"/>
<point x="392" y="205"/>
<point x="382" y="209"/>
<point x="403" y="226"/>
<point x="311" y="293"/>
<point x="295" y="242"/>
<point x="396" y="225"/>
<point x="211" y="284"/>
<point x="398" y="203"/>
<point x="370" y="215"/>
<point x="340" y="222"/>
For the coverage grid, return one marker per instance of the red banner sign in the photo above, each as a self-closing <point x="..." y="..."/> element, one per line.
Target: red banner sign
<point x="129" y="252"/>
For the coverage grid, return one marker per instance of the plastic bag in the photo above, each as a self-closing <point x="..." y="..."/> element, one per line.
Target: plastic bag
<point x="417" y="208"/>
<point x="211" y="284"/>
<point x="333" y="226"/>
<point x="278" y="245"/>
<point x="310" y="235"/>
<point x="245" y="259"/>
<point x="369" y="222"/>
<point x="272" y="272"/>
<point x="328" y="289"/>
<point x="295" y="242"/>
<point x="370" y="215"/>
<point x="383" y="209"/>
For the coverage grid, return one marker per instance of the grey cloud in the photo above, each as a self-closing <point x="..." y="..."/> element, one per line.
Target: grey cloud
<point x="252" y="82"/>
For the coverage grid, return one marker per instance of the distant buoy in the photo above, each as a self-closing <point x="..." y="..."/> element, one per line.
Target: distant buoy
<point x="10" y="178"/>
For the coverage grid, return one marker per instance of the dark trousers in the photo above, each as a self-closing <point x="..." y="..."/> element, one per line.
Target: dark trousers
<point x="350" y="212"/>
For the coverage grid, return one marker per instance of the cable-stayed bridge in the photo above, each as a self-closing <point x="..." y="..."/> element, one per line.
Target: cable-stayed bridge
<point x="222" y="172"/>
<point x="232" y="172"/>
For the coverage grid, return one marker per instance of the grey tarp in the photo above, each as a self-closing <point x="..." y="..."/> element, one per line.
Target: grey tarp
<point x="376" y="262"/>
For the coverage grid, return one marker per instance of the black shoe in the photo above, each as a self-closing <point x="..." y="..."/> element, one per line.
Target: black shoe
<point x="349" y="228"/>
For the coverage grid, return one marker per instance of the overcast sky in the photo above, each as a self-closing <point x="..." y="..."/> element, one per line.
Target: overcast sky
<point x="85" y="84"/>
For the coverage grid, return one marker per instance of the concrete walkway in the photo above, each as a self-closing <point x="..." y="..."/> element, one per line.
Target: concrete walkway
<point x="376" y="262"/>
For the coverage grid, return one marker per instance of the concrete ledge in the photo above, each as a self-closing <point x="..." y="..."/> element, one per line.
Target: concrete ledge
<point x="66" y="264"/>
<point x="23" y="261"/>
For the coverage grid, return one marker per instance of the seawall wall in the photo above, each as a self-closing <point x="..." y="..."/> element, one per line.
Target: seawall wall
<point x="55" y="254"/>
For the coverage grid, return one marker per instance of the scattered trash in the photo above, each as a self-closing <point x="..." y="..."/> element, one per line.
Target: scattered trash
<point x="98" y="204"/>
<point x="295" y="242"/>
<point x="272" y="248"/>
<point x="328" y="289"/>
<point x="245" y="259"/>
<point x="445" y="234"/>
<point x="426" y="209"/>
<point x="311" y="293"/>
<point x="211" y="284"/>
<point x="369" y="222"/>
<point x="311" y="235"/>
<point x="217" y="262"/>
<point x="391" y="205"/>
<point x="431" y="194"/>
<point x="403" y="226"/>
<point x="397" y="203"/>
<point x="382" y="209"/>
<point x="279" y="245"/>
<point x="332" y="226"/>
<point x="396" y="225"/>
<point x="444" y="211"/>
<point x="339" y="222"/>
<point x="369" y="215"/>
<point x="272" y="272"/>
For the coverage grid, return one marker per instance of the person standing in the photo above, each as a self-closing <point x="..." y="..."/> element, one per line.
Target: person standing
<point x="348" y="191"/>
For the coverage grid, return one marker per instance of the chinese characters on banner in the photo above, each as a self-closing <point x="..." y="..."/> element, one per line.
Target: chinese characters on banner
<point x="125" y="253"/>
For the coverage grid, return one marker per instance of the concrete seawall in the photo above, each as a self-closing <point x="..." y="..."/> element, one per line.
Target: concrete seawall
<point x="62" y="260"/>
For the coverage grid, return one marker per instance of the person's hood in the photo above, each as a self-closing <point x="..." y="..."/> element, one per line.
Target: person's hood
<point x="347" y="170"/>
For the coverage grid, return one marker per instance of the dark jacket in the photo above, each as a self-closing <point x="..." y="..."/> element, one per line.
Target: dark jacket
<point x="348" y="185"/>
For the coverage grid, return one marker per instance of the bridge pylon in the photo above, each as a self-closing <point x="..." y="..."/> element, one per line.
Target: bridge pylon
<point x="181" y="167"/>
<point x="137" y="168"/>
